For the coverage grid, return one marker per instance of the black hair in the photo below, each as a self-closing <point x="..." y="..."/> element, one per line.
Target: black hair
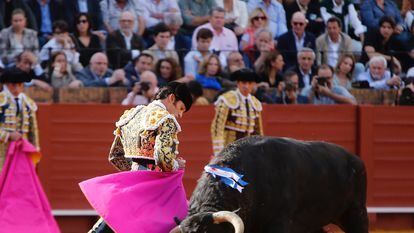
<point x="204" y="33"/>
<point x="387" y="19"/>
<point x="334" y="19"/>
<point x="160" y="28"/>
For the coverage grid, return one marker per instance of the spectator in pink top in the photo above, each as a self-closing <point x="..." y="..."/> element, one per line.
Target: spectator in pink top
<point x="224" y="39"/>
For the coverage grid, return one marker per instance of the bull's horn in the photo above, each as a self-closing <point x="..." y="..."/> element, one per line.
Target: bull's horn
<point x="227" y="216"/>
<point x="176" y="229"/>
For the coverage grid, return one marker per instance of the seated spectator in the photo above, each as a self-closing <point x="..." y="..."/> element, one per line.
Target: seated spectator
<point x="162" y="37"/>
<point x="270" y="71"/>
<point x="275" y="12"/>
<point x="299" y="36"/>
<point x="406" y="95"/>
<point x="167" y="70"/>
<point x="378" y="76"/>
<point x="288" y="91"/>
<point x="323" y="91"/>
<point x="143" y="92"/>
<point x="312" y="12"/>
<point x="46" y="12"/>
<point x="86" y="42"/>
<point x="384" y="42"/>
<point x="27" y="62"/>
<point x="257" y="19"/>
<point x="97" y="74"/>
<point x="332" y="44"/>
<point x="193" y="59"/>
<point x="410" y="47"/>
<point x="224" y="40"/>
<point x="112" y="11"/>
<point x="235" y="62"/>
<point x="140" y="64"/>
<point x="123" y="45"/>
<point x="17" y="38"/>
<point x="305" y="68"/>
<point x="372" y="11"/>
<point x="195" y="13"/>
<point x="345" y="11"/>
<point x="263" y="44"/>
<point x="8" y="6"/>
<point x="178" y="41"/>
<point x="209" y="73"/>
<point x="61" y="41"/>
<point x="60" y="72"/>
<point x="236" y="15"/>
<point x="91" y="8"/>
<point x="197" y="93"/>
<point x="344" y="70"/>
<point x="154" y="12"/>
<point x="407" y="10"/>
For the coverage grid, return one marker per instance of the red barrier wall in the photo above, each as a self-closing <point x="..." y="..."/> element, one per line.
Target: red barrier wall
<point x="75" y="141"/>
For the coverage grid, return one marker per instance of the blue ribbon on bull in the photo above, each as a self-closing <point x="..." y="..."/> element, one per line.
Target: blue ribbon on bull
<point x="228" y="176"/>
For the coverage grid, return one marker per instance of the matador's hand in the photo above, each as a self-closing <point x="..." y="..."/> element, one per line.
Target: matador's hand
<point x="181" y="163"/>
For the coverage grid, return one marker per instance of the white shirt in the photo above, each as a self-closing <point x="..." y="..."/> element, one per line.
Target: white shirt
<point x="306" y="77"/>
<point x="83" y="6"/>
<point x="147" y="8"/>
<point x="299" y="42"/>
<point x="333" y="53"/>
<point x="191" y="64"/>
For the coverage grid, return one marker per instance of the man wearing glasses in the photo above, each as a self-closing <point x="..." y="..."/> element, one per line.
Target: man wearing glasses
<point x="297" y="34"/>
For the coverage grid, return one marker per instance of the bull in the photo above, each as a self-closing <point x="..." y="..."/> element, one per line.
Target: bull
<point x="294" y="187"/>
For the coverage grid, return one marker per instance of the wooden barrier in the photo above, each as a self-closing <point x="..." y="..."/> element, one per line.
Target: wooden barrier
<point x="75" y="141"/>
<point x="115" y="95"/>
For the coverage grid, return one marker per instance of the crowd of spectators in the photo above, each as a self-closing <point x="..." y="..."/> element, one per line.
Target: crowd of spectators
<point x="305" y="51"/>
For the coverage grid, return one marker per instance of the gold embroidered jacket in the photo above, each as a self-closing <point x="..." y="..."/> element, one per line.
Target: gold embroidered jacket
<point x="146" y="132"/>
<point x="233" y="120"/>
<point x="25" y="122"/>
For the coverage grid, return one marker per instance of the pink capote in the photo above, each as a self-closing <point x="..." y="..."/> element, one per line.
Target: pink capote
<point x="138" y="201"/>
<point x="23" y="204"/>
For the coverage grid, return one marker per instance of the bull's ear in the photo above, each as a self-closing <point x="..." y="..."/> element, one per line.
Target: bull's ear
<point x="177" y="221"/>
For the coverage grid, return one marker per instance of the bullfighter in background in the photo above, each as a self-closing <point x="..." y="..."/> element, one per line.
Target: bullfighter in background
<point x="238" y="113"/>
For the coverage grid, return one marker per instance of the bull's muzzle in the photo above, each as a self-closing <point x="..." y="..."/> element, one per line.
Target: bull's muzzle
<point x="222" y="216"/>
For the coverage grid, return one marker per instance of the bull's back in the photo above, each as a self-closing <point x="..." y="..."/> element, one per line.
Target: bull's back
<point x="297" y="179"/>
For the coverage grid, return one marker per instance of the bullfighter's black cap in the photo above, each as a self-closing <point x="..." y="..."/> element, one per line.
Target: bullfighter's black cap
<point x="245" y="75"/>
<point x="181" y="92"/>
<point x="15" y="75"/>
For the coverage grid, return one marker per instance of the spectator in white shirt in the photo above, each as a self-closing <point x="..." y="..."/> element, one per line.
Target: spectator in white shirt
<point x="195" y="57"/>
<point x="378" y="76"/>
<point x="154" y="11"/>
<point x="236" y="15"/>
<point x="332" y="43"/>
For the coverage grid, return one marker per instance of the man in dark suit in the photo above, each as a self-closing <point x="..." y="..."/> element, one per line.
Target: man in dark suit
<point x="305" y="68"/>
<point x="311" y="9"/>
<point x="179" y="42"/>
<point x="123" y="45"/>
<point x="91" y="7"/>
<point x="295" y="39"/>
<point x="46" y="12"/>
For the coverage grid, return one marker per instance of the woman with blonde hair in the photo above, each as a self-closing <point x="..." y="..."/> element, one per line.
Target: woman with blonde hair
<point x="258" y="19"/>
<point x="344" y="70"/>
<point x="209" y="73"/>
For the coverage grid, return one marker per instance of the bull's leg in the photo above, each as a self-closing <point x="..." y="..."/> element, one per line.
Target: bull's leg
<point x="355" y="220"/>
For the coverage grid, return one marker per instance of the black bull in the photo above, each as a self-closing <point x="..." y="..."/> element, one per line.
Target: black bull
<point x="294" y="187"/>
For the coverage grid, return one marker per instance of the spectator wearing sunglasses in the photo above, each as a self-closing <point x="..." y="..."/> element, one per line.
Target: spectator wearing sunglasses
<point x="258" y="19"/>
<point x="275" y="12"/>
<point x="299" y="36"/>
<point x="86" y="42"/>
